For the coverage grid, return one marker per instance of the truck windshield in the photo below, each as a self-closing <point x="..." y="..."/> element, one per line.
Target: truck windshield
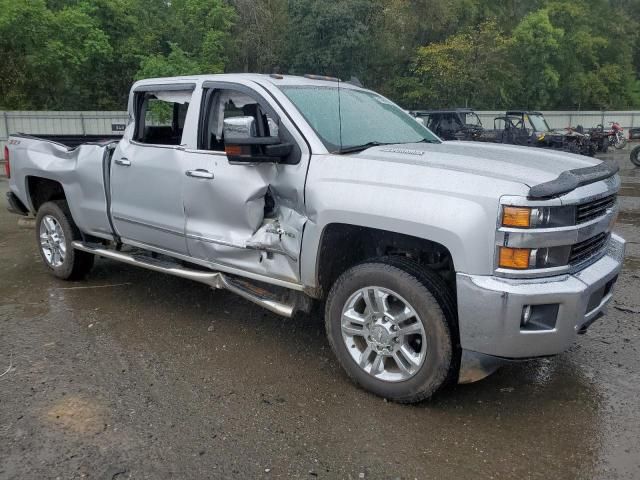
<point x="348" y="120"/>
<point x="539" y="123"/>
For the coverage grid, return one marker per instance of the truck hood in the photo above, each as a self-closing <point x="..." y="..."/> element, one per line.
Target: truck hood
<point x="524" y="165"/>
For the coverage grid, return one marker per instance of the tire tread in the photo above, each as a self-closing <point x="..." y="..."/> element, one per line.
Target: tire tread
<point x="435" y="286"/>
<point x="82" y="262"/>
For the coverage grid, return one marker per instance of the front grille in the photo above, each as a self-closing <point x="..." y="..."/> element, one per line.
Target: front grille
<point x="594" y="209"/>
<point x="588" y="248"/>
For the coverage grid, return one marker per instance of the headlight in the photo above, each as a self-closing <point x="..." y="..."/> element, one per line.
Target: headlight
<point x="525" y="258"/>
<point x="538" y="217"/>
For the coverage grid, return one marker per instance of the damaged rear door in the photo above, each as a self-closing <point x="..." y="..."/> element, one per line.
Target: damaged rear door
<point x="248" y="216"/>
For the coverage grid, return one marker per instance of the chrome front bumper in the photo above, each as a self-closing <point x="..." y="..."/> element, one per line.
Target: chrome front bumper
<point x="490" y="308"/>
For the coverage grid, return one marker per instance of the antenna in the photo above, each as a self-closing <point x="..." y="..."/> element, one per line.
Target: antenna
<point x="339" y="116"/>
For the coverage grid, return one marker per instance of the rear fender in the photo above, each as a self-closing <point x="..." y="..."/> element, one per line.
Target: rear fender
<point x="79" y="171"/>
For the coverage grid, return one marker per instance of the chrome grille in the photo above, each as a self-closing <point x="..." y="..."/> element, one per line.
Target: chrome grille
<point x="594" y="209"/>
<point x="588" y="248"/>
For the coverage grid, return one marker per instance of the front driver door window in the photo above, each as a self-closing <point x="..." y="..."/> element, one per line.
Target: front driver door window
<point x="229" y="103"/>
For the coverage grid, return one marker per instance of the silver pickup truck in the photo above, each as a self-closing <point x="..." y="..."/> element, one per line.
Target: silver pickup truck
<point x="436" y="261"/>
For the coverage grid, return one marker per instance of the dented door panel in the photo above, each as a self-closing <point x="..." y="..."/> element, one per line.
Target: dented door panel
<point x="248" y="216"/>
<point x="228" y="208"/>
<point x="238" y="218"/>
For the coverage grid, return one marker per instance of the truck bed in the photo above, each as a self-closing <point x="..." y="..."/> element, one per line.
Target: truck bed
<point x="72" y="141"/>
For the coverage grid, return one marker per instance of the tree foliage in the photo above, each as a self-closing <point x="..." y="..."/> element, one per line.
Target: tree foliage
<point x="84" y="54"/>
<point x="463" y="70"/>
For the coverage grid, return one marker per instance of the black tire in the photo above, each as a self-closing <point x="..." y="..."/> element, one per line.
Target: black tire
<point x="434" y="302"/>
<point x="635" y="156"/>
<point x="76" y="264"/>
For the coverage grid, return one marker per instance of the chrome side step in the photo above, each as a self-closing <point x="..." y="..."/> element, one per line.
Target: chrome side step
<point x="216" y="280"/>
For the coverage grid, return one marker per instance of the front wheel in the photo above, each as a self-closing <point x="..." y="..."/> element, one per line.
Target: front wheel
<point x="621" y="142"/>
<point x="392" y="326"/>
<point x="635" y="156"/>
<point x="55" y="232"/>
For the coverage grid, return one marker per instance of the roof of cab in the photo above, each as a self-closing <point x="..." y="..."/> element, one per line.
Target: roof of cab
<point x="274" y="79"/>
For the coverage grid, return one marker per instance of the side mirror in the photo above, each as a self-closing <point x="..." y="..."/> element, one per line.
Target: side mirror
<point x="242" y="145"/>
<point x="239" y="129"/>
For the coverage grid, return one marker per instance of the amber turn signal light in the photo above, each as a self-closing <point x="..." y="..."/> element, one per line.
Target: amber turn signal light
<point x="236" y="150"/>
<point x="517" y="258"/>
<point x="516" y="217"/>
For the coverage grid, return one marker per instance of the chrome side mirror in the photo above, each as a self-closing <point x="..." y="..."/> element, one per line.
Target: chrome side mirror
<point x="238" y="129"/>
<point x="242" y="145"/>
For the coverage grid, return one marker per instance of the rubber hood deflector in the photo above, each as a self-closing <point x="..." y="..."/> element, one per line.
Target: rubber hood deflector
<point x="572" y="179"/>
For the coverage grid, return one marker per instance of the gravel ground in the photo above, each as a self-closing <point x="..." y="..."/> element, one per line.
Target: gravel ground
<point x="133" y="374"/>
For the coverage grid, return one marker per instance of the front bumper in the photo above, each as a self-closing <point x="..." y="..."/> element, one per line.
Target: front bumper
<point x="490" y="308"/>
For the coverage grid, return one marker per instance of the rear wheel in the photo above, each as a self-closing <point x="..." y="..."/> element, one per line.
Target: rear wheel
<point x="55" y="232"/>
<point x="635" y="156"/>
<point x="391" y="323"/>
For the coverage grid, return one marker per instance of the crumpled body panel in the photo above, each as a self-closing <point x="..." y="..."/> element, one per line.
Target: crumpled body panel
<point x="243" y="217"/>
<point x="78" y="170"/>
<point x="281" y="234"/>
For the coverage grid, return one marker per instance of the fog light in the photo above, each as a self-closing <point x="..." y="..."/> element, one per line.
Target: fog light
<point x="539" y="317"/>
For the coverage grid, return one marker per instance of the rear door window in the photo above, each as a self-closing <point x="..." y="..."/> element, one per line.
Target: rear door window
<point x="161" y="116"/>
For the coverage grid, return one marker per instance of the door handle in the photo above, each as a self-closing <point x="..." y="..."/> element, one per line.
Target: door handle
<point x="125" y="162"/>
<point x="199" y="173"/>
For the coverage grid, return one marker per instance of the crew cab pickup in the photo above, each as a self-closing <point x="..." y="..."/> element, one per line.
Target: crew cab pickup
<point x="435" y="261"/>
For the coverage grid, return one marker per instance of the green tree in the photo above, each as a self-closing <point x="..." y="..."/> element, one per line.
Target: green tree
<point x="331" y="37"/>
<point x="260" y="35"/>
<point x="174" y="64"/>
<point x="72" y="54"/>
<point x="76" y="46"/>
<point x="535" y="52"/>
<point x="595" y="57"/>
<point x="199" y="35"/>
<point x="45" y="53"/>
<point x="466" y="69"/>
<point x="24" y="28"/>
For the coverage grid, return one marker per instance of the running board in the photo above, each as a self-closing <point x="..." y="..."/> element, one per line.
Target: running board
<point x="216" y="280"/>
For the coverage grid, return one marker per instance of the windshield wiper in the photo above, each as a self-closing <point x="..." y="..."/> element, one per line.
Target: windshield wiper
<point x="364" y="146"/>
<point x="359" y="148"/>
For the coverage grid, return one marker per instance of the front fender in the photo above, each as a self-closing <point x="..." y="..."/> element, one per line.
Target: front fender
<point x="462" y="223"/>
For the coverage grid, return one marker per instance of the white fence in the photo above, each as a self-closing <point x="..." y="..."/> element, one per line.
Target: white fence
<point x="103" y="123"/>
<point x="588" y="119"/>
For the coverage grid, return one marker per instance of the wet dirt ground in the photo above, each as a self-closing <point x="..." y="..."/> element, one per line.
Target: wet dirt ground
<point x="133" y="374"/>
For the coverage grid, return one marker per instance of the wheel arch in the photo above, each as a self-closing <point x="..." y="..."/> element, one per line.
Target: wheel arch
<point x="332" y="258"/>
<point x="41" y="190"/>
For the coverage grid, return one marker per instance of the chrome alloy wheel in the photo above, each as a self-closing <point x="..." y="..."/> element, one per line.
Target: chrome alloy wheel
<point x="52" y="241"/>
<point x="383" y="334"/>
